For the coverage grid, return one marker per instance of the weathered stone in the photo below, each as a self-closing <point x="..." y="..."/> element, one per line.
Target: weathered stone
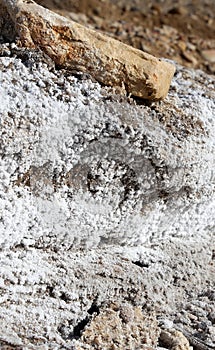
<point x="121" y="327"/>
<point x="174" y="340"/>
<point x="209" y="55"/>
<point x="76" y="47"/>
<point x="189" y="57"/>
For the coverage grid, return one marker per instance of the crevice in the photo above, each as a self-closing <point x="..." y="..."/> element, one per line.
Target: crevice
<point x="78" y="329"/>
<point x="93" y="309"/>
<point x="142" y="101"/>
<point x="140" y="264"/>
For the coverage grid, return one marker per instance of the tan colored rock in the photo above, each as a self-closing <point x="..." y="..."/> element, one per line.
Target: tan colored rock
<point x="189" y="57"/>
<point x="120" y="327"/>
<point x="174" y="340"/>
<point x="209" y="55"/>
<point x="76" y="47"/>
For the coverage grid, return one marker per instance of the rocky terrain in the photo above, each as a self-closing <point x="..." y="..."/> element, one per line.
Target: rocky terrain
<point x="107" y="201"/>
<point x="180" y="30"/>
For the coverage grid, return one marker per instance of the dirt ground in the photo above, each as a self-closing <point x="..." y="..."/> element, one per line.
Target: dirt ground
<point x="180" y="30"/>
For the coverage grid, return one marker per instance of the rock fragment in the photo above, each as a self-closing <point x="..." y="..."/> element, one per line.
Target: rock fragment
<point x="189" y="57"/>
<point x="209" y="55"/>
<point x="120" y="327"/>
<point x="174" y="340"/>
<point x="76" y="47"/>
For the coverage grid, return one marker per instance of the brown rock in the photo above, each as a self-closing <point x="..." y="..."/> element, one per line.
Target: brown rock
<point x="178" y="10"/>
<point x="189" y="57"/>
<point x="209" y="55"/>
<point x="182" y="45"/>
<point x="76" y="47"/>
<point x="174" y="340"/>
<point x="122" y="328"/>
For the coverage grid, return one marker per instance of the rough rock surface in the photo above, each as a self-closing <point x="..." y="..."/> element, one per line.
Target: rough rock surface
<point x="107" y="210"/>
<point x="180" y="30"/>
<point x="74" y="46"/>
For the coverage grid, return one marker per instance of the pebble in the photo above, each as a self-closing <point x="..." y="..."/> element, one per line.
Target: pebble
<point x="211" y="317"/>
<point x="209" y="55"/>
<point x="178" y="10"/>
<point x="182" y="45"/>
<point x="191" y="47"/>
<point x="211" y="330"/>
<point x="192" y="317"/>
<point x="189" y="57"/>
<point x="145" y="47"/>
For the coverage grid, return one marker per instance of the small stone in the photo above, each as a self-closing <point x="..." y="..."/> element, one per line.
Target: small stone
<point x="191" y="47"/>
<point x="182" y="45"/>
<point x="209" y="55"/>
<point x="156" y="9"/>
<point x="192" y="317"/>
<point x="211" y="330"/>
<point x="174" y="340"/>
<point x="189" y="57"/>
<point x="178" y="10"/>
<point x="211" y="316"/>
<point x="145" y="47"/>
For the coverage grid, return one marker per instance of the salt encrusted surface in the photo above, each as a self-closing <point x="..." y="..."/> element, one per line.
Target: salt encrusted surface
<point x="78" y="170"/>
<point x="45" y="295"/>
<point x="84" y="168"/>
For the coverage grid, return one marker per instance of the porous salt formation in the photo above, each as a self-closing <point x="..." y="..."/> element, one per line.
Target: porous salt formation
<point x="80" y="170"/>
<point x="107" y="211"/>
<point x="84" y="168"/>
